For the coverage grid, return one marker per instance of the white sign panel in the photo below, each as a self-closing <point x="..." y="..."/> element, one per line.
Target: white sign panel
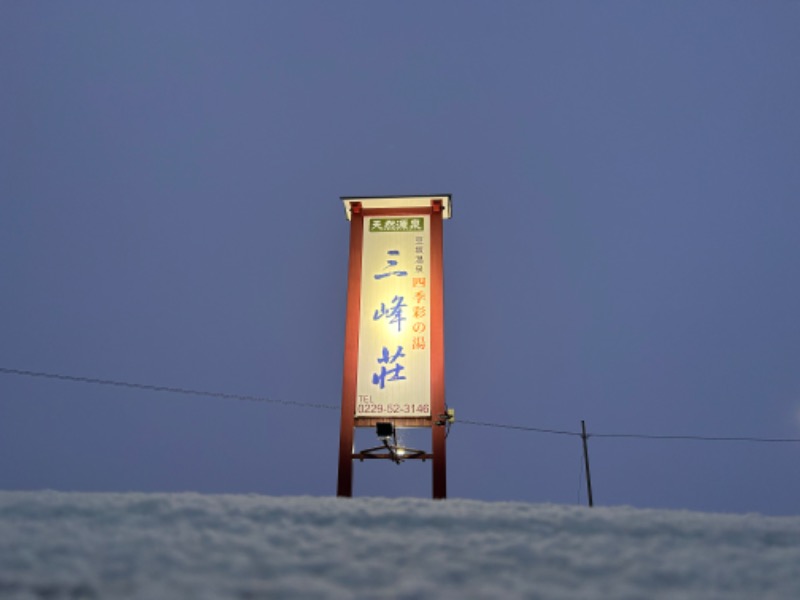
<point x="394" y="334"/>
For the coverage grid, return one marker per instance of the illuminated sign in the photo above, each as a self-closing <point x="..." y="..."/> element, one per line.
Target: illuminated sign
<point x="394" y="335"/>
<point x="393" y="375"/>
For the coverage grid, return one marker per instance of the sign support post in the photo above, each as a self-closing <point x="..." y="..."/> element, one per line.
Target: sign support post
<point x="345" y="484"/>
<point x="438" y="407"/>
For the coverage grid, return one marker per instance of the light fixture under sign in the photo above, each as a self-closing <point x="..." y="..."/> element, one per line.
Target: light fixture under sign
<point x="387" y="434"/>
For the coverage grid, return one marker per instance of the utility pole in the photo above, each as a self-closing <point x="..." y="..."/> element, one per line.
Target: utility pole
<point x="585" y="437"/>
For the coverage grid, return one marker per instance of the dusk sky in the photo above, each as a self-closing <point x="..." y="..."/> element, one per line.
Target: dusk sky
<point x="623" y="249"/>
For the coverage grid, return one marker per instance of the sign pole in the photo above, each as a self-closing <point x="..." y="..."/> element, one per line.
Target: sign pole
<point x="437" y="356"/>
<point x="344" y="487"/>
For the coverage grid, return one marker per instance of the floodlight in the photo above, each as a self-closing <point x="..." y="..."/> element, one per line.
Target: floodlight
<point x="387" y="434"/>
<point x="384" y="430"/>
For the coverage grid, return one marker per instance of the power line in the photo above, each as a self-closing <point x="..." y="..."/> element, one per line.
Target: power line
<point x="701" y="438"/>
<point x="167" y="389"/>
<point x="518" y="427"/>
<point x="642" y="436"/>
<point x="526" y="428"/>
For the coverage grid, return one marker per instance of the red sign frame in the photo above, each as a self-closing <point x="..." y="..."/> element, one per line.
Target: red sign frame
<point x="359" y="209"/>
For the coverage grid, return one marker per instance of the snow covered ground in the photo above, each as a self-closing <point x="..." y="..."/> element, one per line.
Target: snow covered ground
<point x="57" y="545"/>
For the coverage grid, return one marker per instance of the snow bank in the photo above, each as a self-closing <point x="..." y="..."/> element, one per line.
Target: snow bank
<point x="162" y="546"/>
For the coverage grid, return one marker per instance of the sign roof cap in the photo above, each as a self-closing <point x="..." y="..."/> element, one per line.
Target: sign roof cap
<point x="399" y="202"/>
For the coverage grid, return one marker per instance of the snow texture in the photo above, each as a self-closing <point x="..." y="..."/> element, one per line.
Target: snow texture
<point x="57" y="545"/>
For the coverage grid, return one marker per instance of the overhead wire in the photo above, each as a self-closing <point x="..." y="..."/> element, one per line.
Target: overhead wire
<point x="645" y="436"/>
<point x="167" y="389"/>
<point x="251" y="398"/>
<point x="700" y="438"/>
<point x="518" y="427"/>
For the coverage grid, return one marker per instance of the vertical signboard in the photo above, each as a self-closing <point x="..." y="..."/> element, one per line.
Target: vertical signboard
<point x="394" y="333"/>
<point x="394" y="347"/>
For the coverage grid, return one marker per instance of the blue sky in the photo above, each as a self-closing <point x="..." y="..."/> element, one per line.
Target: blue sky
<point x="623" y="248"/>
